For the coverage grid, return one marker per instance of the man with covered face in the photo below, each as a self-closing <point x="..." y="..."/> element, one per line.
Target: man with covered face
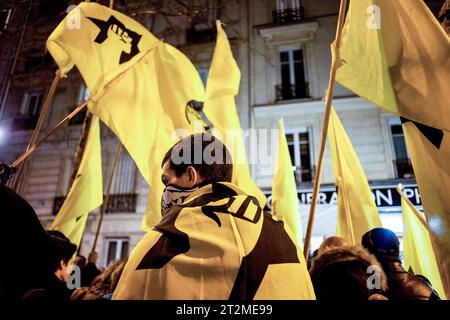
<point x="214" y="241"/>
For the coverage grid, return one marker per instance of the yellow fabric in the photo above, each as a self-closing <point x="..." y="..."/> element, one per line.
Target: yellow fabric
<point x="221" y="88"/>
<point x="418" y="252"/>
<point x="217" y="245"/>
<point x="403" y="67"/>
<point x="399" y="65"/>
<point x="432" y="170"/>
<point x="354" y="195"/>
<point x="142" y="99"/>
<point x="156" y="85"/>
<point x="86" y="192"/>
<point x="284" y="188"/>
<point x="72" y="43"/>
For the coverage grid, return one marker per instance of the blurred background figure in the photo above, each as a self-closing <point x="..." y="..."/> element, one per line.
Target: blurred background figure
<point x="341" y="272"/>
<point x="53" y="286"/>
<point x="103" y="286"/>
<point x="88" y="268"/>
<point x="403" y="285"/>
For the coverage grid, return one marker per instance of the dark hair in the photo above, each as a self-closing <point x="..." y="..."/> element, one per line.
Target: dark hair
<point x="62" y="249"/>
<point x="191" y="151"/>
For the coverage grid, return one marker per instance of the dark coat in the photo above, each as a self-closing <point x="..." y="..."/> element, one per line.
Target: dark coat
<point x="24" y="245"/>
<point x="406" y="286"/>
<point x="88" y="274"/>
<point x="342" y="274"/>
<point x="53" y="290"/>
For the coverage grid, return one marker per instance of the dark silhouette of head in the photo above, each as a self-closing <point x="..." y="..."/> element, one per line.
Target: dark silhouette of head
<point x="383" y="243"/>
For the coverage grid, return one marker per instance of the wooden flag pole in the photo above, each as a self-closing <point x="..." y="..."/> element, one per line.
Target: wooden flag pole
<point x="49" y="133"/>
<point x="39" y="124"/>
<point x="411" y="206"/>
<point x="329" y="98"/>
<point x="108" y="190"/>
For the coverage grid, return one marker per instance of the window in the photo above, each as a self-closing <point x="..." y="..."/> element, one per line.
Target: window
<point x="299" y="144"/>
<point x="117" y="249"/>
<point x="123" y="196"/>
<point x="287" y="11"/>
<point x="202" y="23"/>
<point x="292" y="75"/>
<point x="402" y="163"/>
<point x="29" y="111"/>
<point x="82" y="97"/>
<point x="5" y="14"/>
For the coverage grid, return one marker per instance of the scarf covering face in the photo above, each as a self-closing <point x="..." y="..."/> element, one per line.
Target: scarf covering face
<point x="218" y="244"/>
<point x="173" y="195"/>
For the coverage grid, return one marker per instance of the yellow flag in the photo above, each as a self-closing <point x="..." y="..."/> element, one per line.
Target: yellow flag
<point x="140" y="86"/>
<point x="357" y="212"/>
<point x="221" y="88"/>
<point x="418" y="252"/>
<point x="86" y="192"/>
<point x="284" y="188"/>
<point x="234" y="252"/>
<point x="429" y="149"/>
<point x="397" y="57"/>
<point x="96" y="40"/>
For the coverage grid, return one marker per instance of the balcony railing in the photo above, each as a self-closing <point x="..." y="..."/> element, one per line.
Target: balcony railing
<point x="305" y="174"/>
<point x="122" y="203"/>
<point x="194" y="36"/>
<point x="287" y="15"/>
<point x="289" y="92"/>
<point x="125" y="203"/>
<point x="403" y="169"/>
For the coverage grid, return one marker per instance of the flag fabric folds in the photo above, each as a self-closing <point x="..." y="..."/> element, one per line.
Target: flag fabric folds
<point x="143" y="102"/>
<point x="357" y="212"/>
<point x="418" y="255"/>
<point x="397" y="57"/>
<point x="431" y="163"/>
<point x="96" y="40"/>
<point x="220" y="107"/>
<point x="219" y="244"/>
<point x="86" y="192"/>
<point x="139" y="85"/>
<point x="284" y="188"/>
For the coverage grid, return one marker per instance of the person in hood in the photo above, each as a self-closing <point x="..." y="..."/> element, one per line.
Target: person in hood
<point x="403" y="285"/>
<point x="344" y="272"/>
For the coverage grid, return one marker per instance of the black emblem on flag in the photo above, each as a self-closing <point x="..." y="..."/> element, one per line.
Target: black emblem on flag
<point x="125" y="35"/>
<point x="435" y="136"/>
<point x="274" y="245"/>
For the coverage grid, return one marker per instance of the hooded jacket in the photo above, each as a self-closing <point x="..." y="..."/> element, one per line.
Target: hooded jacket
<point x="347" y="273"/>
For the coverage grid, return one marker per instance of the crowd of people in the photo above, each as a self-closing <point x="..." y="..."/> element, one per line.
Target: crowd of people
<point x="40" y="262"/>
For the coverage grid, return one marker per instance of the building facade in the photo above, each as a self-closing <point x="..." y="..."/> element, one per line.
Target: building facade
<point x="283" y="50"/>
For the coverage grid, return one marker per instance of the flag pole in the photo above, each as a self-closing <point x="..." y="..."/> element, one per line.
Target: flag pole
<point x="49" y="133"/>
<point x="329" y="98"/>
<point x="411" y="206"/>
<point x="39" y="124"/>
<point x="108" y="191"/>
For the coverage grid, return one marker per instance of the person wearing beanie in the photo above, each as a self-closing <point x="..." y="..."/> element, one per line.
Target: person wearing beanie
<point x="403" y="285"/>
